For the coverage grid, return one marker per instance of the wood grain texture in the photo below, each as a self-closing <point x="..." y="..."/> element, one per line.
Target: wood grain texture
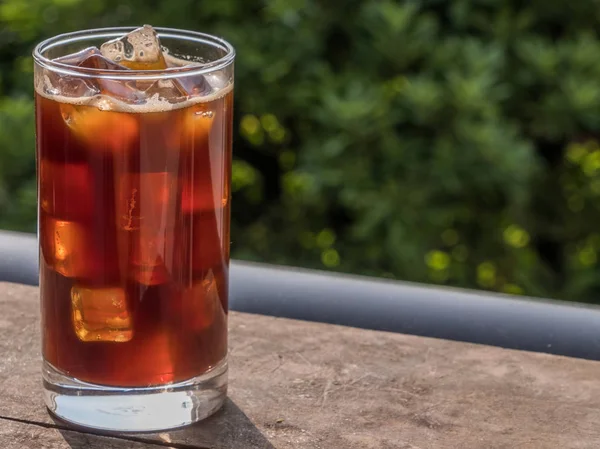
<point x="17" y="435"/>
<point x="310" y="385"/>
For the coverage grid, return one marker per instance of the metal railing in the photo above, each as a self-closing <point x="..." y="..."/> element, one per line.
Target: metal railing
<point x="455" y="314"/>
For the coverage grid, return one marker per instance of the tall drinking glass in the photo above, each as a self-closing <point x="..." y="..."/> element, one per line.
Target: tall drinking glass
<point x="133" y="163"/>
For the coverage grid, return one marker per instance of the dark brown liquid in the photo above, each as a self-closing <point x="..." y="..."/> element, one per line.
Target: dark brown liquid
<point x="134" y="240"/>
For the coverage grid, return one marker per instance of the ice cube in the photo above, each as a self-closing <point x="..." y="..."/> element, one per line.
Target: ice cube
<point x="123" y="90"/>
<point x="101" y="314"/>
<point x="160" y="142"/>
<point x="206" y="242"/>
<point x="145" y="200"/>
<point x="202" y="243"/>
<point x="148" y="359"/>
<point x="195" y="132"/>
<point x="204" y="188"/>
<point x="66" y="190"/>
<point x="137" y="50"/>
<point x="100" y="127"/>
<point x="79" y="87"/>
<point x="78" y="57"/>
<point x="163" y="89"/>
<point x="199" y="312"/>
<point x="195" y="85"/>
<point x="150" y="275"/>
<point x="146" y="214"/>
<point x="70" y="249"/>
<point x="197" y="194"/>
<point x="204" y="182"/>
<point x="64" y="247"/>
<point x="68" y="86"/>
<point x="56" y="83"/>
<point x="100" y="62"/>
<point x="198" y="122"/>
<point x="201" y="304"/>
<point x="151" y="256"/>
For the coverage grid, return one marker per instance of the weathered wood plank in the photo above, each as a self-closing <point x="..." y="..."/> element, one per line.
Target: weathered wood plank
<point x="310" y="385"/>
<point x="16" y="435"/>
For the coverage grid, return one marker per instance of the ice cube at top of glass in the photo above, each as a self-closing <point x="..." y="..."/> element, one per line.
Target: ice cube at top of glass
<point x="125" y="91"/>
<point x="71" y="86"/>
<point x="90" y="58"/>
<point x="81" y="87"/>
<point x="141" y="50"/>
<point x="195" y="85"/>
<point x="137" y="50"/>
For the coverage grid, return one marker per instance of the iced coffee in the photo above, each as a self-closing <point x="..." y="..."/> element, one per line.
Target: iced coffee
<point x="133" y="157"/>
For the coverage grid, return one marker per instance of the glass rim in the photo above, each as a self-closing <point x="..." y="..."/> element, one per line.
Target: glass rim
<point x="114" y="32"/>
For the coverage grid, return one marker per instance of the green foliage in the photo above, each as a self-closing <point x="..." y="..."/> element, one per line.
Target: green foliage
<point x="453" y="142"/>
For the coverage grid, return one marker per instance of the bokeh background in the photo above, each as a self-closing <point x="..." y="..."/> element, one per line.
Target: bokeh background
<point x="443" y="141"/>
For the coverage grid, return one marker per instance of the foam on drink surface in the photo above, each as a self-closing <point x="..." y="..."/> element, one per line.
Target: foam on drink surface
<point x="107" y="103"/>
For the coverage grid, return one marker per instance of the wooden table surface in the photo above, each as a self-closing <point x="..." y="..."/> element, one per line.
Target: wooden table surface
<point x="302" y="385"/>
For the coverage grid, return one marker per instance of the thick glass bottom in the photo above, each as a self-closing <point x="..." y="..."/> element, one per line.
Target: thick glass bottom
<point x="134" y="409"/>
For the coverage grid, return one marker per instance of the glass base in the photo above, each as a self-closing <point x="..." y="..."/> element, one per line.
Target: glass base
<point x="134" y="409"/>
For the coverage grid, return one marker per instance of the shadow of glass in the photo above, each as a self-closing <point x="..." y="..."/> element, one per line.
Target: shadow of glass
<point x="78" y="440"/>
<point x="229" y="428"/>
